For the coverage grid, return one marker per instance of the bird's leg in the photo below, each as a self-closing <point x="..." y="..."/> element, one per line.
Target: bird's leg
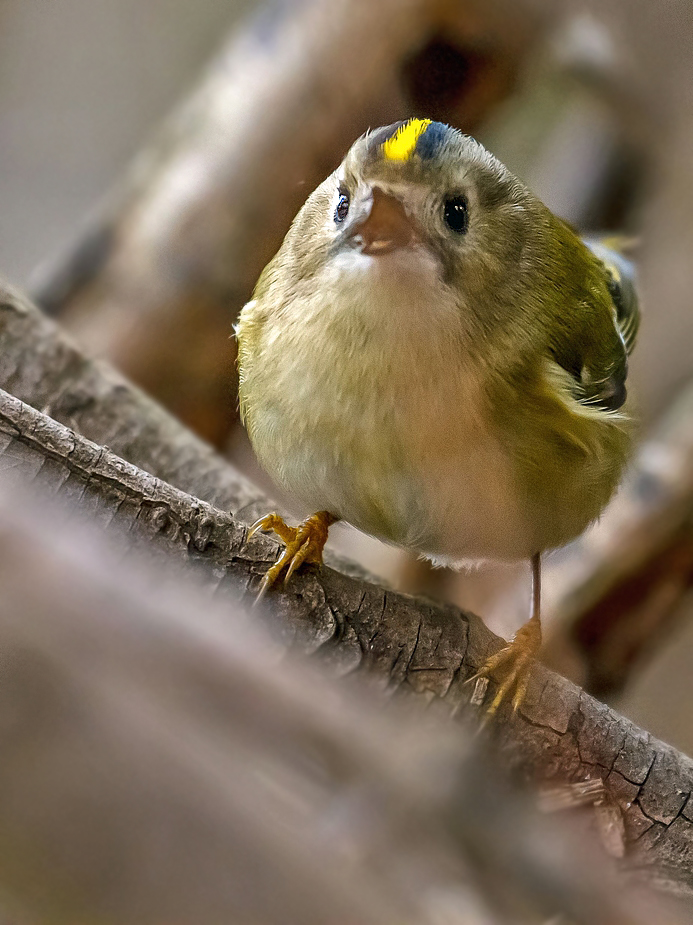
<point x="304" y="543"/>
<point x="513" y="664"/>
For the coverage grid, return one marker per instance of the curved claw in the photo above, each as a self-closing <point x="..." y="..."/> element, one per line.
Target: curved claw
<point x="304" y="543"/>
<point x="514" y="664"/>
<point x="494" y="661"/>
<point x="274" y="523"/>
<point x="298" y="560"/>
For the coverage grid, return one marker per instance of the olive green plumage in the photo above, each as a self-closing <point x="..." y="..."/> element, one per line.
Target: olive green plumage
<point x="444" y="366"/>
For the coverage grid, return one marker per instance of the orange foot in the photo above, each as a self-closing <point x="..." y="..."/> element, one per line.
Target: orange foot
<point x="304" y="543"/>
<point x="513" y="665"/>
<point x="514" y="662"/>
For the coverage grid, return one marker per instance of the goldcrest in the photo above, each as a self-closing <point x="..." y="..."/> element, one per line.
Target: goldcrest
<point x="437" y="359"/>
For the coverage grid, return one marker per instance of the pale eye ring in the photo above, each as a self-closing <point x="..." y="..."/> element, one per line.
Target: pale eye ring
<point x="342" y="210"/>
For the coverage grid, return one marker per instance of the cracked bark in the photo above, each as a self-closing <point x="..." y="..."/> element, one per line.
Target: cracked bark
<point x="133" y="706"/>
<point x="415" y="648"/>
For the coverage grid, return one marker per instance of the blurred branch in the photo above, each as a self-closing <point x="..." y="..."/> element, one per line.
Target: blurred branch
<point x="157" y="278"/>
<point x="413" y="646"/>
<point x="44" y="368"/>
<point x="617" y="586"/>
<point x="160" y="763"/>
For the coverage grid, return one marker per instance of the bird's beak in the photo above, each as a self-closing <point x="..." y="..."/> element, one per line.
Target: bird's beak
<point x="383" y="225"/>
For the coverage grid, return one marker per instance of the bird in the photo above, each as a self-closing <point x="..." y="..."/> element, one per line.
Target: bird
<point x="437" y="359"/>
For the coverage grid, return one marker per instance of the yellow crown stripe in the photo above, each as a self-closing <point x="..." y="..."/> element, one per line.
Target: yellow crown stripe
<point x="402" y="144"/>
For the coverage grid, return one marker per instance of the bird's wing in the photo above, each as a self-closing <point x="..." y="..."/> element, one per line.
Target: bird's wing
<point x="605" y="388"/>
<point x="621" y="286"/>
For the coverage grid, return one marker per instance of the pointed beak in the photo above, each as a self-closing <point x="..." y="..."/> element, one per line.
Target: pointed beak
<point x="383" y="227"/>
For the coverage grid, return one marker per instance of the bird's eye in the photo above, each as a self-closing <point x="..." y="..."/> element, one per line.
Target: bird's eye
<point x="456" y="214"/>
<point x="342" y="210"/>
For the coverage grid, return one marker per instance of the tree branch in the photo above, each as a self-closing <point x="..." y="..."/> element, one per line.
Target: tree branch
<point x="423" y="649"/>
<point x="160" y="763"/>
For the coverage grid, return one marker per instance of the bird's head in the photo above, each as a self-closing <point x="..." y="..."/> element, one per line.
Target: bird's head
<point x="421" y="194"/>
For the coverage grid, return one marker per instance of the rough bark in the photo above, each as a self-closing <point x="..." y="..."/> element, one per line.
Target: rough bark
<point x="413" y="647"/>
<point x="161" y="763"/>
<point x="157" y="279"/>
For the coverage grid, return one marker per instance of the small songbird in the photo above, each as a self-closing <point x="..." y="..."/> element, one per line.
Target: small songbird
<point x="437" y="359"/>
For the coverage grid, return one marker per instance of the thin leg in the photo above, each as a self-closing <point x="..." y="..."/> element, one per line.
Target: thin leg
<point x="514" y="662"/>
<point x="531" y="629"/>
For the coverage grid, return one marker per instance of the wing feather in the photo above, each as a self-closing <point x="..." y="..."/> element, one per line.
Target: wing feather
<point x="607" y="389"/>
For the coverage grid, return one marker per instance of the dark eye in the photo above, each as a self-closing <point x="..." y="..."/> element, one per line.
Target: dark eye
<point x="456" y="214"/>
<point x="342" y="210"/>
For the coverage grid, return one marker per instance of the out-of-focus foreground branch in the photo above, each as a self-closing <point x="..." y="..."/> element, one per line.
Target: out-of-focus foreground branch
<point x="161" y="763"/>
<point x="425" y="649"/>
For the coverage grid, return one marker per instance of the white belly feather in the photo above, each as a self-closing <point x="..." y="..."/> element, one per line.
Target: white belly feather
<point x="359" y="405"/>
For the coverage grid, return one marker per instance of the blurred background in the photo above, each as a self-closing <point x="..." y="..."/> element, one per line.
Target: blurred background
<point x="152" y="154"/>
